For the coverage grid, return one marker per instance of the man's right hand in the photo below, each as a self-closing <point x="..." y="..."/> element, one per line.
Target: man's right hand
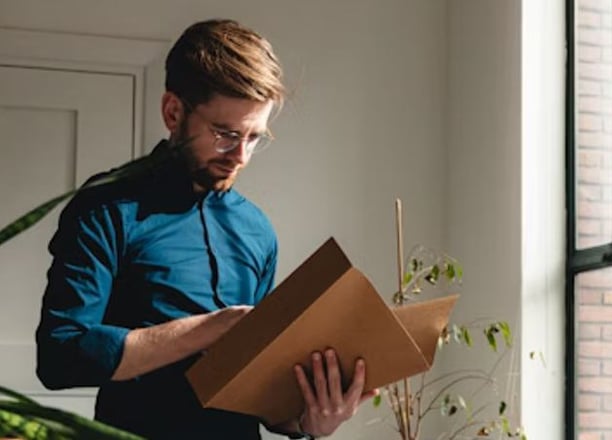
<point x="147" y="349"/>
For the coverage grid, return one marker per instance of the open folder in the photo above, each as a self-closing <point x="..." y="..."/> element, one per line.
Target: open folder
<point x="325" y="302"/>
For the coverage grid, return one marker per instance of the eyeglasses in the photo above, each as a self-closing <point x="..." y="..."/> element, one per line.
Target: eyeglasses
<point x="227" y="140"/>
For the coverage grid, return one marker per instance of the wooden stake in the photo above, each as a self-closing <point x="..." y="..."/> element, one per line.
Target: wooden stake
<point x="406" y="429"/>
<point x="400" y="244"/>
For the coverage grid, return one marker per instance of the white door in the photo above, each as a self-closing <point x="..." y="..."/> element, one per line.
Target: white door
<point x="57" y="127"/>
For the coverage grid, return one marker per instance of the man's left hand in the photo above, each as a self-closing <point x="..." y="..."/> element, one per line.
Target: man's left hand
<point x="326" y="405"/>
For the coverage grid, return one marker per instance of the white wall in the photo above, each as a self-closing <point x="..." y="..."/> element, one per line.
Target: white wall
<point x="365" y="124"/>
<point x="483" y="228"/>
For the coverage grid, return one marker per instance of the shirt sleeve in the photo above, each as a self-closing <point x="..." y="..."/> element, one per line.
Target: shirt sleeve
<point x="74" y="346"/>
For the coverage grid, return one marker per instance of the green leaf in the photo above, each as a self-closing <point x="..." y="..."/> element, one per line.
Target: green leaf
<point x="445" y="406"/>
<point x="506" y="333"/>
<point x="489" y="332"/>
<point x="467" y="337"/>
<point x="459" y="272"/>
<point x="407" y="278"/>
<point x="377" y="400"/>
<point x="433" y="275"/>
<point x="414" y="264"/>
<point x="450" y="271"/>
<point x="25" y="427"/>
<point x="31" y="218"/>
<point x="16" y="396"/>
<point x="64" y="421"/>
<point x="502" y="407"/>
<point x="505" y="425"/>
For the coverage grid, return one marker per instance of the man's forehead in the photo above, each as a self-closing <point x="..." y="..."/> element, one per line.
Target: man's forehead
<point x="231" y="113"/>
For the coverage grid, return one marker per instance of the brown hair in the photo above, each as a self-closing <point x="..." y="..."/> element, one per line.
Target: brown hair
<point x="222" y="56"/>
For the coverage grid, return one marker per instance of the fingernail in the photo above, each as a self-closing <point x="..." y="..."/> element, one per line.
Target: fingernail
<point x="316" y="356"/>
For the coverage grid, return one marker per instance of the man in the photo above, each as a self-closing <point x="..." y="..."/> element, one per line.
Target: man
<point x="149" y="271"/>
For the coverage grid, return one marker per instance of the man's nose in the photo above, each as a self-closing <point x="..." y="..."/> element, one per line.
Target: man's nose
<point x="240" y="153"/>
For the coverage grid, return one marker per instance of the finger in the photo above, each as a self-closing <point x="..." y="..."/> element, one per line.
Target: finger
<point x="334" y="381"/>
<point x="353" y="395"/>
<point x="320" y="382"/>
<point x="309" y="397"/>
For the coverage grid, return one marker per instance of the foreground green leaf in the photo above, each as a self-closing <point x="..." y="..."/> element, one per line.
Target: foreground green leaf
<point x="16" y="395"/>
<point x="31" y="218"/>
<point x="68" y="425"/>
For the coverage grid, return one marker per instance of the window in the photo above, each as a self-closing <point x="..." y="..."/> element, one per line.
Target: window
<point x="589" y="203"/>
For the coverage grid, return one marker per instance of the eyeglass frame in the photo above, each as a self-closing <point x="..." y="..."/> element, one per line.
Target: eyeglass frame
<point x="234" y="138"/>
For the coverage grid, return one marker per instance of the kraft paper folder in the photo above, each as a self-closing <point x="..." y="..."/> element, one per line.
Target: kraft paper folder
<point x="324" y="303"/>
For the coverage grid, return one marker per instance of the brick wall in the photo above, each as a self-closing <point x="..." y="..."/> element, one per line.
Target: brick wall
<point x="594" y="222"/>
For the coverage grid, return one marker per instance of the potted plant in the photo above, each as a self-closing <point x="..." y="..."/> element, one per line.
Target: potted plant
<point x="414" y="400"/>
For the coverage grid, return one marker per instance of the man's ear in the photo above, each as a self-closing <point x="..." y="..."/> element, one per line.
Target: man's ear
<point x="172" y="112"/>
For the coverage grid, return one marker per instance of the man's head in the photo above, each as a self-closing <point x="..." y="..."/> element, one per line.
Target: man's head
<point x="222" y="81"/>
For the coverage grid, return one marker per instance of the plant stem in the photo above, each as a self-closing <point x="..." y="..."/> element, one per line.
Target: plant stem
<point x="407" y="404"/>
<point x="419" y="399"/>
<point x="392" y="396"/>
<point x="450" y="385"/>
<point x="454" y="373"/>
<point x="403" y="423"/>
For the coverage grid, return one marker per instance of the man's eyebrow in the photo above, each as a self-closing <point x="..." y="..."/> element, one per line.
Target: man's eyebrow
<point x="222" y="126"/>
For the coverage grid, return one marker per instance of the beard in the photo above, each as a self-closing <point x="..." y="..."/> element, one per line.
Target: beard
<point x="202" y="175"/>
<point x="206" y="180"/>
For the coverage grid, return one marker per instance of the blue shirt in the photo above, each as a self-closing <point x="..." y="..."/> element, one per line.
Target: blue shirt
<point x="138" y="253"/>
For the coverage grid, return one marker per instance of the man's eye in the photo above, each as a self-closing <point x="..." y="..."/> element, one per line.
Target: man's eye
<point x="229" y="135"/>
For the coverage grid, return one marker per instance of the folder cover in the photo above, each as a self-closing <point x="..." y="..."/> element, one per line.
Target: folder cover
<point x="324" y="303"/>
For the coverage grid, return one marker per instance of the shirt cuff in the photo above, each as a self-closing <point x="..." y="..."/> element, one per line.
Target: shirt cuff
<point x="103" y="345"/>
